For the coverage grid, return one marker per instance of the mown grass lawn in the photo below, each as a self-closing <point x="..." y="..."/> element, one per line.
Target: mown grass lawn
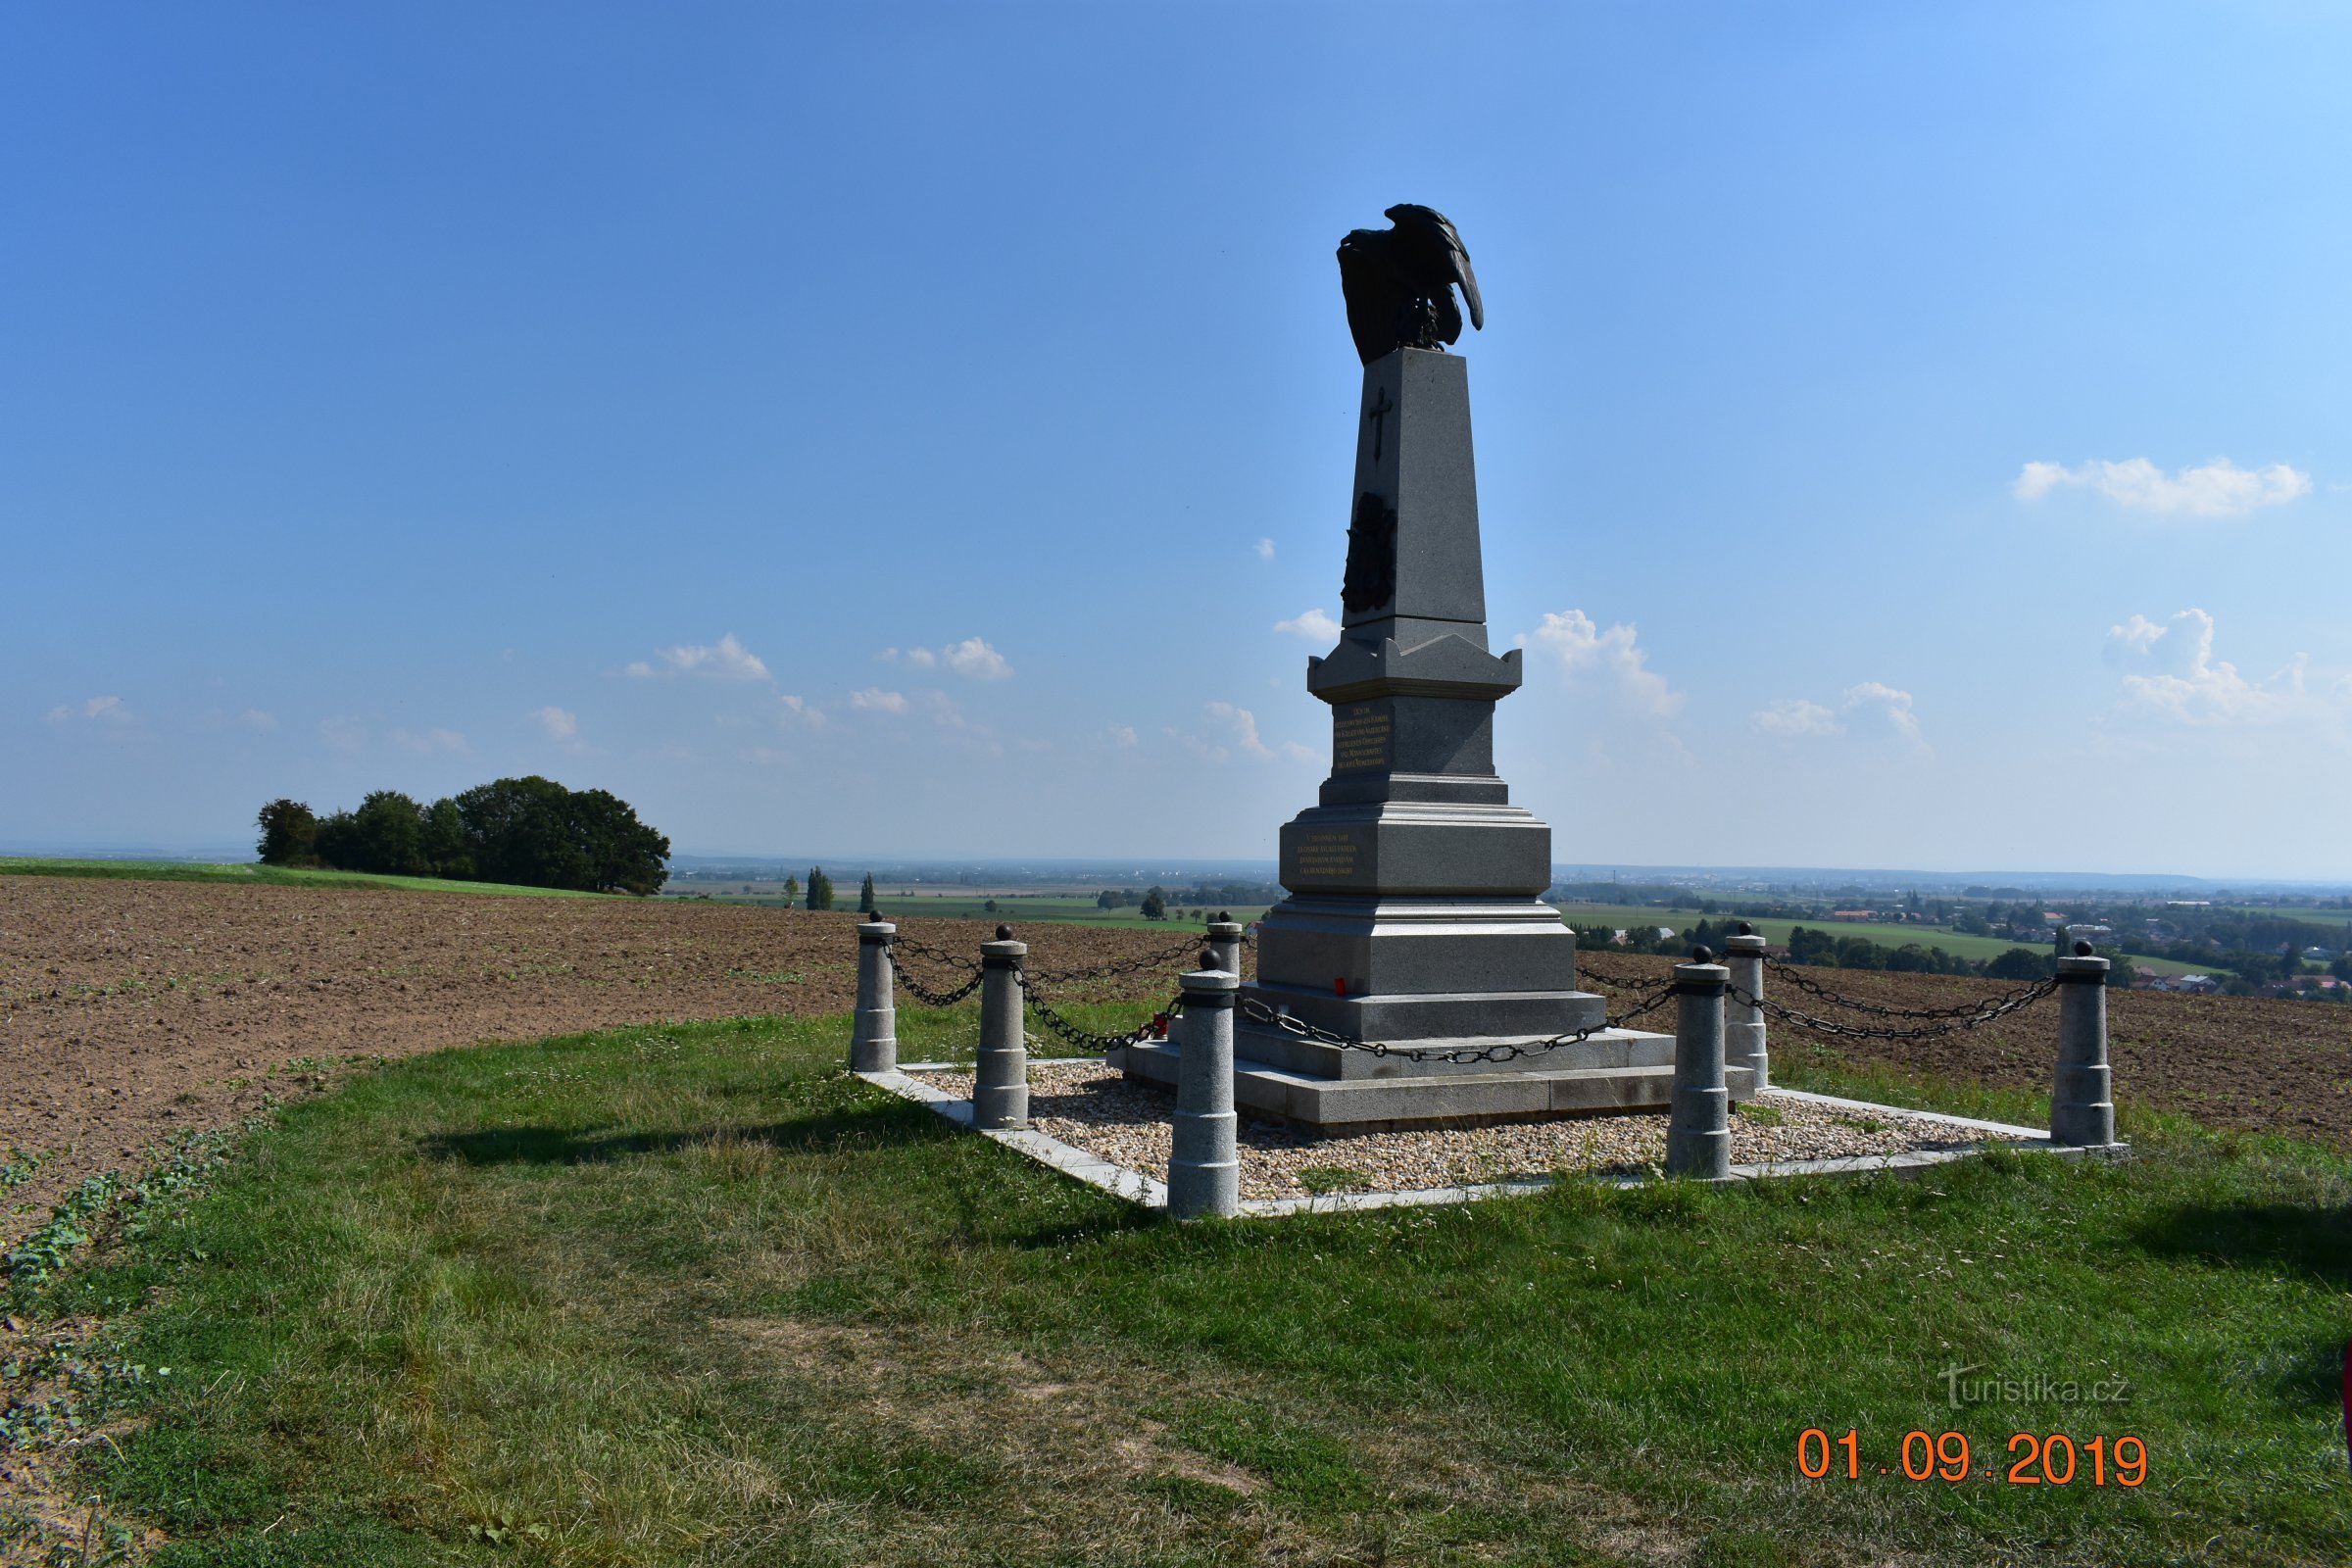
<point x="690" y="1295"/>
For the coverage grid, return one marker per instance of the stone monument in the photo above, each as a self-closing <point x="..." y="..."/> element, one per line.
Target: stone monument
<point x="1416" y="913"/>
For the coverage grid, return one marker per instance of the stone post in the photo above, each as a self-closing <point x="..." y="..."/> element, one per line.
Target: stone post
<point x="1205" y="1173"/>
<point x="874" y="1039"/>
<point x="2083" y="1105"/>
<point x="1698" y="1137"/>
<point x="1225" y="943"/>
<point x="1743" y="1022"/>
<point x="1000" y="1077"/>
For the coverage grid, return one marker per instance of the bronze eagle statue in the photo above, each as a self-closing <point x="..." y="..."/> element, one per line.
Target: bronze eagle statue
<point x="1399" y="283"/>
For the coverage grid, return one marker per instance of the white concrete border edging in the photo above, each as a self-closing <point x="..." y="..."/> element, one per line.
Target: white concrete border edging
<point x="1137" y="1188"/>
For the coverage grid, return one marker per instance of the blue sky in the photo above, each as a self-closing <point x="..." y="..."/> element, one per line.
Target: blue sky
<point x="1907" y="436"/>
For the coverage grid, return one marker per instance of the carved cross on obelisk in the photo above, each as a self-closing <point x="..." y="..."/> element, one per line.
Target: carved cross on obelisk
<point x="1376" y="414"/>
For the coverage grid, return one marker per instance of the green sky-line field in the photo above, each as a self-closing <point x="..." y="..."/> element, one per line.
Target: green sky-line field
<point x="690" y="1295"/>
<point x="265" y="877"/>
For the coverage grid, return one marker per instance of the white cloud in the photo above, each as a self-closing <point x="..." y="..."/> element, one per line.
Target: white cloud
<point x="343" y="734"/>
<point x="1122" y="735"/>
<point x="2175" y="674"/>
<point x="1313" y="624"/>
<point x="974" y="657"/>
<point x="1892" y="706"/>
<point x="429" y="741"/>
<point x="874" y="699"/>
<point x="559" y="725"/>
<point x="1580" y="645"/>
<point x="1793" y="715"/>
<point x="1243" y="724"/>
<point x="1265" y="549"/>
<point x="96" y="710"/>
<point x="255" y="718"/>
<point x="725" y="659"/>
<point x="2216" y="489"/>
<point x="792" y="709"/>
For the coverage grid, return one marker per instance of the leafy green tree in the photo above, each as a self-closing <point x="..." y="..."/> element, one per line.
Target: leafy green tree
<point x="446" y="850"/>
<point x="865" y="896"/>
<point x="1107" y="900"/>
<point x="2018" y="964"/>
<point x="1156" y="904"/>
<point x="387" y="835"/>
<point x="290" y="834"/>
<point x="792" y="889"/>
<point x="820" y="889"/>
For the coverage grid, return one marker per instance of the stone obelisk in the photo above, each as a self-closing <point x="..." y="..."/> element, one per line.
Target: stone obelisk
<point x="1416" y="911"/>
<point x="1416" y="914"/>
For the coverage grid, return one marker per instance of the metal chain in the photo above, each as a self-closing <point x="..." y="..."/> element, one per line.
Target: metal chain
<point x="1505" y="1051"/>
<point x="934" y="954"/>
<point x="2000" y="1007"/>
<point x="1086" y="1040"/>
<point x="1811" y="987"/>
<point x="936" y="999"/>
<point x="1106" y="971"/>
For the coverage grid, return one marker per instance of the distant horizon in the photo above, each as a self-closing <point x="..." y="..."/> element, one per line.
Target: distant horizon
<point x="1264" y="868"/>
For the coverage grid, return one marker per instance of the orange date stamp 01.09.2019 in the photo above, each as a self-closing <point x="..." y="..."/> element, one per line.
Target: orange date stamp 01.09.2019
<point x="2053" y="1459"/>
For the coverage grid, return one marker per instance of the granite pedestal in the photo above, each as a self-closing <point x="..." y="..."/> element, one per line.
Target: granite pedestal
<point x="1415" y="914"/>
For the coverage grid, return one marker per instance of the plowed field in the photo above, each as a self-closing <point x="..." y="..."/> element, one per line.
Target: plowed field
<point x="131" y="1009"/>
<point x="2251" y="1062"/>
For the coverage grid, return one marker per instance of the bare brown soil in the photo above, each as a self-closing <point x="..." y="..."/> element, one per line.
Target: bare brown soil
<point x="129" y="1011"/>
<point x="2255" y="1064"/>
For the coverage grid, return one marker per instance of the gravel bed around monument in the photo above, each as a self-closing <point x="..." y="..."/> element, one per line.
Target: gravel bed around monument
<point x="1093" y="1108"/>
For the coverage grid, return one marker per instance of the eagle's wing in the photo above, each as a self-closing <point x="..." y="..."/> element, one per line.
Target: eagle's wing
<point x="1375" y="290"/>
<point x="1438" y="237"/>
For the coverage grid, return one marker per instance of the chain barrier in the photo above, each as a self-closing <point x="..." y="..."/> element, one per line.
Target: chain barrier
<point x="1795" y="977"/>
<point x="1153" y="1028"/>
<point x="930" y="997"/>
<point x="1106" y="971"/>
<point x="1257" y="1011"/>
<point x="903" y="943"/>
<point x="1997" y="1007"/>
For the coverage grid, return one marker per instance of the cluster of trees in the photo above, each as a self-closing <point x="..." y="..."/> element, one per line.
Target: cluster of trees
<point x="819" y="892"/>
<point x="531" y="832"/>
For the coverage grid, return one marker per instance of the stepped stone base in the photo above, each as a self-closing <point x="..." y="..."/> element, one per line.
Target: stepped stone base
<point x="1616" y="1070"/>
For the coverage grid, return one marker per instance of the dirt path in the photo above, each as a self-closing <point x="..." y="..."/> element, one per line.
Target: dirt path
<point x="132" y="1009"/>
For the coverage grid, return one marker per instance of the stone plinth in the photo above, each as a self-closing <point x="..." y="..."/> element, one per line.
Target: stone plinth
<point x="1415" y="914"/>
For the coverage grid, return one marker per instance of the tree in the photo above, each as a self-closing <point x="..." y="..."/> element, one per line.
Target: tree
<point x="1156" y="904"/>
<point x="792" y="889"/>
<point x="290" y="834"/>
<point x="865" y="897"/>
<point x="445" y="847"/>
<point x="387" y="835"/>
<point x="1107" y="900"/>
<point x="820" y="889"/>
<point x="2018" y="963"/>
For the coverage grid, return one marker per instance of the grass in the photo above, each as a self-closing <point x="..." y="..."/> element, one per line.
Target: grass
<point x="263" y="876"/>
<point x="1958" y="944"/>
<point x="690" y="1295"/>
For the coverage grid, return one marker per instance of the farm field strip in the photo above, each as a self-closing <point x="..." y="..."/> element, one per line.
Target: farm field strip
<point x="131" y="1010"/>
